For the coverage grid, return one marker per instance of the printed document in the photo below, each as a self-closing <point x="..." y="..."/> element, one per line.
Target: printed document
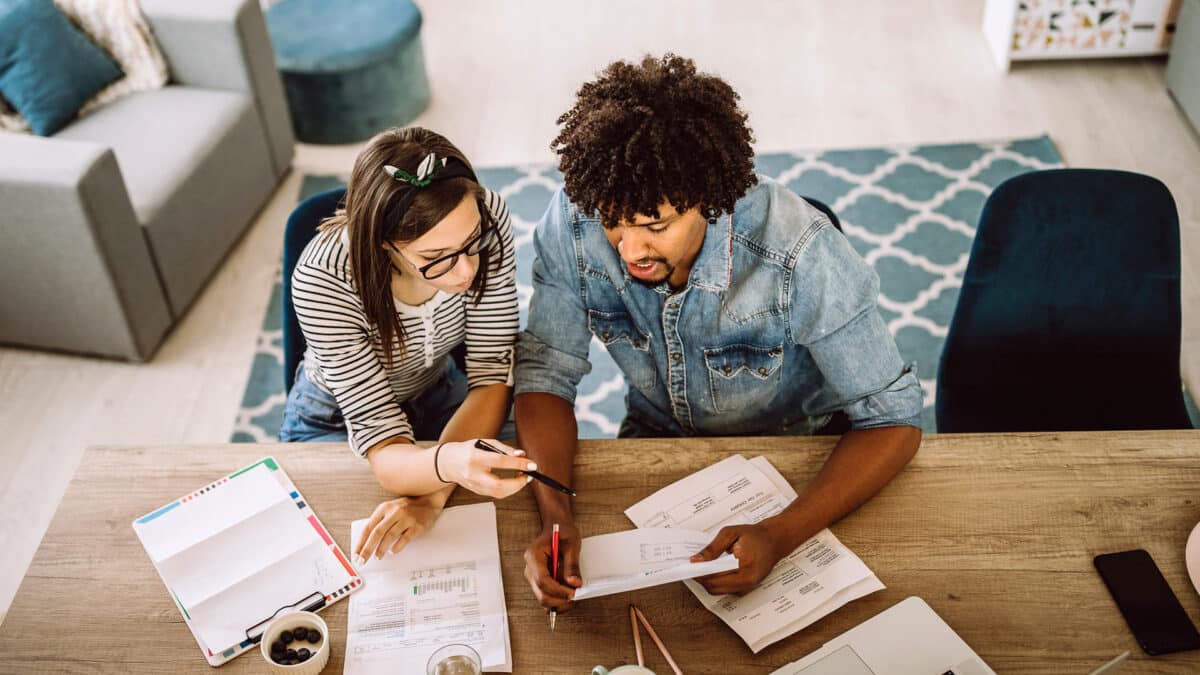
<point x="817" y="578"/>
<point x="443" y="588"/>
<point x="627" y="561"/>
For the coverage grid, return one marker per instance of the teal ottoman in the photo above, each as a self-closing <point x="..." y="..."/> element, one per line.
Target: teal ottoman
<point x="351" y="68"/>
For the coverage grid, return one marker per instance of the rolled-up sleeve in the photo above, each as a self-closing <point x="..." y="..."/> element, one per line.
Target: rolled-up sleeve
<point x="833" y="312"/>
<point x="492" y="322"/>
<point x="552" y="350"/>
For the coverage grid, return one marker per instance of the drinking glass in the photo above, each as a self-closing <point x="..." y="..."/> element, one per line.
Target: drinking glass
<point x="454" y="660"/>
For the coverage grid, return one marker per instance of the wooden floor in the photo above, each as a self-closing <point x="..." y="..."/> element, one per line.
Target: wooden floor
<point x="816" y="76"/>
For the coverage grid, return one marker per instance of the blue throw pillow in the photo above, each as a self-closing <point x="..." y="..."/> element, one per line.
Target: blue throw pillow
<point x="48" y="68"/>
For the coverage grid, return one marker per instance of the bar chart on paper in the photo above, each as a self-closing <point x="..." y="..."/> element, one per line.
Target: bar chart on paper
<point x="443" y="588"/>
<point x="455" y="579"/>
<point x="434" y="604"/>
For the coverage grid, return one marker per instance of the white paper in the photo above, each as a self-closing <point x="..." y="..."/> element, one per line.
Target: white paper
<point x="633" y="559"/>
<point x="818" y="577"/>
<point x="853" y="592"/>
<point x="443" y="588"/>
<point x="730" y="492"/>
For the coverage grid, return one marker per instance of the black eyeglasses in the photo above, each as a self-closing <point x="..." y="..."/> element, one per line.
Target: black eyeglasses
<point x="444" y="264"/>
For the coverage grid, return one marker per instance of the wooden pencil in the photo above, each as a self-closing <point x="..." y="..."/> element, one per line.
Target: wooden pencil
<point x="637" y="635"/>
<point x="661" y="647"/>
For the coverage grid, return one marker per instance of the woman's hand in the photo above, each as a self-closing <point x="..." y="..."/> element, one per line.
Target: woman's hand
<point x="461" y="462"/>
<point x="394" y="523"/>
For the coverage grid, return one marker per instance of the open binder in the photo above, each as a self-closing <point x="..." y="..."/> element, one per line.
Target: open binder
<point x="240" y="551"/>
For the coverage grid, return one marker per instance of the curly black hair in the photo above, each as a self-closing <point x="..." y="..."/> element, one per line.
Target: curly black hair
<point x="660" y="129"/>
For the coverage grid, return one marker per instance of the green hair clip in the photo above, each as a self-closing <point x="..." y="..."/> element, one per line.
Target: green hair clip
<point x="425" y="172"/>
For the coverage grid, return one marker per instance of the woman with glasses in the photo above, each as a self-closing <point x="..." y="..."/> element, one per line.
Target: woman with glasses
<point x="418" y="264"/>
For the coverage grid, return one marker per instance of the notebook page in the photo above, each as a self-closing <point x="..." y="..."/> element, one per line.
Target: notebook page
<point x="193" y="522"/>
<point x="231" y="555"/>
<point x="222" y="620"/>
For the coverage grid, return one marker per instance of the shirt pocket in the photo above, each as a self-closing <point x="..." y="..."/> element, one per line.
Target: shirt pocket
<point x="743" y="377"/>
<point x="627" y="345"/>
<point x="320" y="411"/>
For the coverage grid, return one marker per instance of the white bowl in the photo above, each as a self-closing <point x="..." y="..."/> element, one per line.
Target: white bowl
<point x="315" y="663"/>
<point x="1191" y="557"/>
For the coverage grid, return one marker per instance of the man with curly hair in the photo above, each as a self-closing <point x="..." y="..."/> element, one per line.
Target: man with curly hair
<point x="731" y="305"/>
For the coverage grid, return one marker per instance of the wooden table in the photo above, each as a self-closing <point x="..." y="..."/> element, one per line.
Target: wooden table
<point x="996" y="532"/>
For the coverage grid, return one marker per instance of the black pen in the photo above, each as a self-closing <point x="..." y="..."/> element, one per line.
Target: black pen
<point x="536" y="475"/>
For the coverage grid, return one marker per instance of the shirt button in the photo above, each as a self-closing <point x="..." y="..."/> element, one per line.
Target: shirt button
<point x="605" y="335"/>
<point x="676" y="356"/>
<point x="637" y="343"/>
<point x="762" y="371"/>
<point x="727" y="368"/>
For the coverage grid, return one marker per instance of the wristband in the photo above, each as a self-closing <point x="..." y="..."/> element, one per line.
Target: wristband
<point x="435" y="464"/>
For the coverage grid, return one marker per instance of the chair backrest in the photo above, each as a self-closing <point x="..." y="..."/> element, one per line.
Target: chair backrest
<point x="1069" y="314"/>
<point x="300" y="229"/>
<point x="823" y="208"/>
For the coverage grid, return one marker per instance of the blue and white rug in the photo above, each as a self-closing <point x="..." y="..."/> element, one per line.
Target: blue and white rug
<point x="910" y="211"/>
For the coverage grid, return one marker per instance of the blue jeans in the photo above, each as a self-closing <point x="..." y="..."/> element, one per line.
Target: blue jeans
<point x="312" y="415"/>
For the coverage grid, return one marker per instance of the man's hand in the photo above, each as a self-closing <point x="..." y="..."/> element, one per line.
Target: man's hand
<point x="394" y="523"/>
<point x="755" y="548"/>
<point x="551" y="593"/>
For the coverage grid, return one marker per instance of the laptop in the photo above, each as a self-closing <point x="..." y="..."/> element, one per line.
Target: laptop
<point x="906" y="639"/>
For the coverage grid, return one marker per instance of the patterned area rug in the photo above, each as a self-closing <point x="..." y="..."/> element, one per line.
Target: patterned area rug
<point x="909" y="210"/>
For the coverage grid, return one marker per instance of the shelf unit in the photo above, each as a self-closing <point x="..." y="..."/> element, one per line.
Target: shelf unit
<point x="1020" y="30"/>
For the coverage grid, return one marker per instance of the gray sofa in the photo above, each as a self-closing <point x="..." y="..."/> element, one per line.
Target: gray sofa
<point x="1183" y="68"/>
<point x="110" y="228"/>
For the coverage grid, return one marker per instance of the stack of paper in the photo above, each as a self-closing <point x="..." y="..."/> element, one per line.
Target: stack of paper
<point x="817" y="578"/>
<point x="627" y="561"/>
<point x="443" y="588"/>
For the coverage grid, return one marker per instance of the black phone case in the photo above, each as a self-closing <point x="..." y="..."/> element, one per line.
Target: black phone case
<point x="1183" y="636"/>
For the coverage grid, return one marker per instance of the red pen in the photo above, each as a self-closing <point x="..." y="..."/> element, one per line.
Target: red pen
<point x="554" y="569"/>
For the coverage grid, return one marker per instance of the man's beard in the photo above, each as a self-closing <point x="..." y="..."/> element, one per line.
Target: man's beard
<point x="669" y="270"/>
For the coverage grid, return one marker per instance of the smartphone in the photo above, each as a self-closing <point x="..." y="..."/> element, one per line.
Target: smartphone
<point x="1152" y="611"/>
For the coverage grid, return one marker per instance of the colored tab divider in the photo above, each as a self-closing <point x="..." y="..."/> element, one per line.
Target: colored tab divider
<point x="268" y="461"/>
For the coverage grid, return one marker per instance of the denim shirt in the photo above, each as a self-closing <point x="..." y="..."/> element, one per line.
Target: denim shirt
<point x="776" y="329"/>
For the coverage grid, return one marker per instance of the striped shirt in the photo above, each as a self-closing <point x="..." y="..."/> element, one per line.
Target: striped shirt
<point x="345" y="353"/>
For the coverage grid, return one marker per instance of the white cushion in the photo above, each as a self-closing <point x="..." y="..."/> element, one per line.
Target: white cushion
<point x="119" y="28"/>
<point x="9" y="119"/>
